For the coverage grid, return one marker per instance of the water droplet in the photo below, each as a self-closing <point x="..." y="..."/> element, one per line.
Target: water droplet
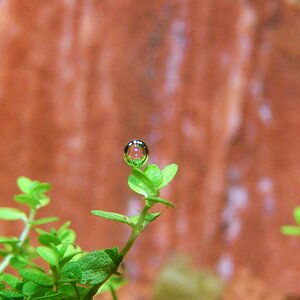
<point x="136" y="153"/>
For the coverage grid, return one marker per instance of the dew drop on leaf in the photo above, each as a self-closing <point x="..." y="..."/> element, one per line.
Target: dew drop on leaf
<point x="136" y="153"/>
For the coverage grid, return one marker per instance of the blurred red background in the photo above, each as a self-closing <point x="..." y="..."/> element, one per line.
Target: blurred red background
<point x="211" y="85"/>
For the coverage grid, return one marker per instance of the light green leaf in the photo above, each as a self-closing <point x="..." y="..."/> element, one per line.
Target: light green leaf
<point x="8" y="240"/>
<point x="44" y="221"/>
<point x="10" y="279"/>
<point x="290" y="230"/>
<point x="41" y="188"/>
<point x="138" y="186"/>
<point x="49" y="255"/>
<point x="71" y="270"/>
<point x="297" y="215"/>
<point x="168" y="174"/>
<point x="143" y="178"/>
<point x="160" y="200"/>
<point x="24" y="184"/>
<point x="154" y="174"/>
<point x="26" y="199"/>
<point x="37" y="276"/>
<point x="48" y="239"/>
<point x="8" y="213"/>
<point x="111" y="216"/>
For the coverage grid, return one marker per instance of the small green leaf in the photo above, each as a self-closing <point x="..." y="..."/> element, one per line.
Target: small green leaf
<point x="8" y="213"/>
<point x="48" y="239"/>
<point x="138" y="186"/>
<point x="143" y="178"/>
<point x="44" y="221"/>
<point x="111" y="216"/>
<point x="47" y="254"/>
<point x="168" y="174"/>
<point x="71" y="270"/>
<point x="25" y="199"/>
<point x="290" y="230"/>
<point x="24" y="184"/>
<point x="10" y="279"/>
<point x="41" y="188"/>
<point x="154" y="174"/>
<point x="10" y="294"/>
<point x="31" y="288"/>
<point x="37" y="276"/>
<point x="50" y="295"/>
<point x="297" y="215"/>
<point x="160" y="200"/>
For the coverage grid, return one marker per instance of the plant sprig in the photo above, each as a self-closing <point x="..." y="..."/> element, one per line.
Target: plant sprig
<point x="72" y="273"/>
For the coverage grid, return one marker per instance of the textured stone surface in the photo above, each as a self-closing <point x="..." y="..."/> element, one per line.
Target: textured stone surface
<point x="211" y="85"/>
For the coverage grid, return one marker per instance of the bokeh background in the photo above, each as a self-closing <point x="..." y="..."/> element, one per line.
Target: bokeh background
<point x="211" y="85"/>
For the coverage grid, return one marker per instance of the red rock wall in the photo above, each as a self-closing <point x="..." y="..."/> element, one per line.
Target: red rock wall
<point x="211" y="85"/>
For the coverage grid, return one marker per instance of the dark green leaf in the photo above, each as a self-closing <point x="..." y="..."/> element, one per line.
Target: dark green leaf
<point x="8" y="213"/>
<point x="160" y="200"/>
<point x="290" y="230"/>
<point x="111" y="216"/>
<point x="37" y="276"/>
<point x="44" y="221"/>
<point x="96" y="266"/>
<point x="154" y="174"/>
<point x="71" y="270"/>
<point x="168" y="174"/>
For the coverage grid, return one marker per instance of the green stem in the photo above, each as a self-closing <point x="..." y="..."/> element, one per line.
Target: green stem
<point x="22" y="238"/>
<point x="76" y="291"/>
<point x="136" y="231"/>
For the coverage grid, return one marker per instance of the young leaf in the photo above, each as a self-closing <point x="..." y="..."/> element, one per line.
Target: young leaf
<point x="37" y="276"/>
<point x="8" y="213"/>
<point x="24" y="184"/>
<point x="290" y="230"/>
<point x="41" y="188"/>
<point x="48" y="255"/>
<point x="154" y="174"/>
<point x="111" y="216"/>
<point x="31" y="288"/>
<point x="8" y="240"/>
<point x="44" y="221"/>
<point x="168" y="174"/>
<point x="137" y="186"/>
<point x="48" y="239"/>
<point x="160" y="200"/>
<point x="143" y="178"/>
<point x="26" y="199"/>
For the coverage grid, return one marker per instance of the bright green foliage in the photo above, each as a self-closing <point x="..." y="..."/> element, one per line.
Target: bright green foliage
<point x="71" y="272"/>
<point x="293" y="230"/>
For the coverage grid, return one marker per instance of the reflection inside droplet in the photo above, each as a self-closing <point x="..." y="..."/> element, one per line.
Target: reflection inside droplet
<point x="136" y="153"/>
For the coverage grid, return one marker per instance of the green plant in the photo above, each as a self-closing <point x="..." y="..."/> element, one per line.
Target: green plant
<point x="68" y="272"/>
<point x="293" y="230"/>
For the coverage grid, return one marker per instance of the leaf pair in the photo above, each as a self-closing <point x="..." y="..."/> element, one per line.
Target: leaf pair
<point x="149" y="182"/>
<point x="33" y="193"/>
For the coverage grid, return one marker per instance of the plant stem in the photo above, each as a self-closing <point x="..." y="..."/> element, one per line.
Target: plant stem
<point x="76" y="291"/>
<point x="136" y="231"/>
<point x="22" y="238"/>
